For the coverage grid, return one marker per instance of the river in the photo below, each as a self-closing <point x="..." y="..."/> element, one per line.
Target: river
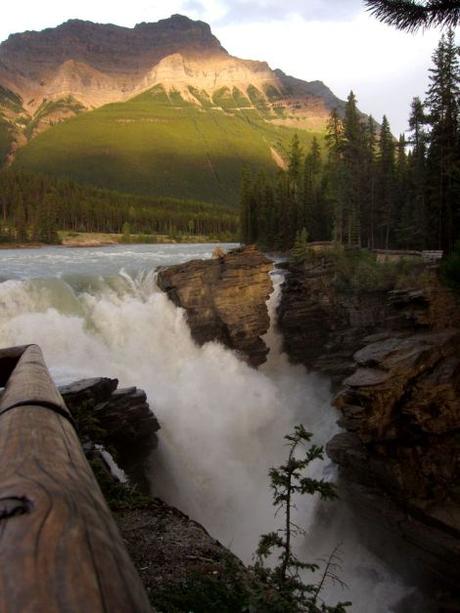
<point x="98" y="312"/>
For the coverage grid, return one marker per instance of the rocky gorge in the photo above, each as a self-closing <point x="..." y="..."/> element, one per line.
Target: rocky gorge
<point x="180" y="564"/>
<point x="394" y="358"/>
<point x="392" y="354"/>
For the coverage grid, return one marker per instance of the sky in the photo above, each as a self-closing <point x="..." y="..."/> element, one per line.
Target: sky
<point x="334" y="41"/>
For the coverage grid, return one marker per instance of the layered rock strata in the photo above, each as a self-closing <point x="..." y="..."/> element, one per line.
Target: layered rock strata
<point x="102" y="63"/>
<point x="118" y="419"/>
<point x="181" y="566"/>
<point x="394" y="356"/>
<point x="225" y="299"/>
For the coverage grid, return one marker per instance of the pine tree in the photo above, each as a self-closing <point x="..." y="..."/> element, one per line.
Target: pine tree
<point x="295" y="160"/>
<point x="245" y="215"/>
<point x="412" y="14"/>
<point x="311" y="213"/>
<point x="126" y="232"/>
<point x="290" y="593"/>
<point x="299" y="251"/>
<point x="355" y="159"/>
<point x="20" y="221"/>
<point x="46" y="221"/>
<point x="443" y="161"/>
<point x="368" y="213"/>
<point x="386" y="184"/>
<point x="335" y="172"/>
<point x="295" y="206"/>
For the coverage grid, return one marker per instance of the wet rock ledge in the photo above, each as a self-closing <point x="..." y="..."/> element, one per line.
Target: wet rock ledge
<point x="183" y="568"/>
<point x="394" y="357"/>
<point x="225" y="299"/>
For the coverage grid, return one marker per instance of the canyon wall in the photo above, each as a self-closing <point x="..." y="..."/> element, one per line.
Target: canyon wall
<point x="225" y="299"/>
<point x="394" y="358"/>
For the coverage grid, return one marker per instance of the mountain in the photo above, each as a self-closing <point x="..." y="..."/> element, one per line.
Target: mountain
<point x="161" y="108"/>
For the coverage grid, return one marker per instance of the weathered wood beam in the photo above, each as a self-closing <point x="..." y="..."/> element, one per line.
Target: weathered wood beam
<point x="60" y="549"/>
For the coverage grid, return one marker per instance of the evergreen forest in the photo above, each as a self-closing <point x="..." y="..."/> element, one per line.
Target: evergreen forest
<point x="363" y="187"/>
<point x="35" y="207"/>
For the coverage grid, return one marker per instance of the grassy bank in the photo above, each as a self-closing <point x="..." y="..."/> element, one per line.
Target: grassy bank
<point x="104" y="239"/>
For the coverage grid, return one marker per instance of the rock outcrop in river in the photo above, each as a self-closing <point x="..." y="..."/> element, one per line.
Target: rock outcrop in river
<point x="225" y="299"/>
<point x="181" y="565"/>
<point x="117" y="419"/>
<point x="394" y="355"/>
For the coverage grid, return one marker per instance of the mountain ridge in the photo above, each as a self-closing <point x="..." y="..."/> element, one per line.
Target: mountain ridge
<point x="113" y="63"/>
<point x="73" y="96"/>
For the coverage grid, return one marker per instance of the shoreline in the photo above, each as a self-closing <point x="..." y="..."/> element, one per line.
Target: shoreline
<point x="100" y="244"/>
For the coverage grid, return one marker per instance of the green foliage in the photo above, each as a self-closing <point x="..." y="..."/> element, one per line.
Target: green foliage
<point x="48" y="107"/>
<point x="443" y="155"/>
<point x="289" y="592"/>
<point x="49" y="204"/>
<point x="410" y="15"/>
<point x="119" y="496"/>
<point x="5" y="138"/>
<point x="126" y="233"/>
<point x="160" y="145"/>
<point x="274" y="209"/>
<point x="257" y="98"/>
<point x="11" y="101"/>
<point x="203" y="591"/>
<point x="300" y="250"/>
<point x="359" y="271"/>
<point x="450" y="268"/>
<point x="202" y="96"/>
<point x="370" y="192"/>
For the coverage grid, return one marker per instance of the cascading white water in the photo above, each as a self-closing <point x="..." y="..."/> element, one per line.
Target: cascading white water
<point x="222" y="422"/>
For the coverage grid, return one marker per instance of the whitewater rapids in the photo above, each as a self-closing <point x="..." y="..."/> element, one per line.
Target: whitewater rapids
<point x="222" y="422"/>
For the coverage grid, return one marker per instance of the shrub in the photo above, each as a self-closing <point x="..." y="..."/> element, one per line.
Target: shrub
<point x="450" y="268"/>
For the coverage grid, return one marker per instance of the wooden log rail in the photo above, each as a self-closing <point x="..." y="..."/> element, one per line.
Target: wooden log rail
<point x="60" y="550"/>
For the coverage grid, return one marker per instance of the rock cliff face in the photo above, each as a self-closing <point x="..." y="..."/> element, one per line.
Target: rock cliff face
<point x="103" y="63"/>
<point x="395" y="357"/>
<point x="322" y="327"/>
<point x="225" y="299"/>
<point x="116" y="418"/>
<point x="181" y="566"/>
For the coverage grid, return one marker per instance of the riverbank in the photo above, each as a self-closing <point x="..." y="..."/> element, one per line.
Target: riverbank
<point x="100" y="239"/>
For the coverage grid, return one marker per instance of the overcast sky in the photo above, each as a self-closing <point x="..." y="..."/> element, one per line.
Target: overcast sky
<point x="334" y="41"/>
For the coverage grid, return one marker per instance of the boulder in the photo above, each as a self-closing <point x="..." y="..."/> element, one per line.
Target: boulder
<point x="225" y="299"/>
<point x="118" y="419"/>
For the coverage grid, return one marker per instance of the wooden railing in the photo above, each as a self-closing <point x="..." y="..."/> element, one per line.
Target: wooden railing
<point x="60" y="550"/>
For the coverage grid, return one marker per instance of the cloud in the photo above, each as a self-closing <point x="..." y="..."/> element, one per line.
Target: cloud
<point x="384" y="67"/>
<point x="239" y="11"/>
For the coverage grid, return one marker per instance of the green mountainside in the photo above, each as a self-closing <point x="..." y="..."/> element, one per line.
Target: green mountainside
<point x="158" y="110"/>
<point x="158" y="143"/>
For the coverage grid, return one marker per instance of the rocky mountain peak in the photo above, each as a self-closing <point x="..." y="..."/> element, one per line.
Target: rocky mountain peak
<point x="93" y="64"/>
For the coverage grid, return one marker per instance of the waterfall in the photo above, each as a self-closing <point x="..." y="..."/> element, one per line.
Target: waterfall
<point x="222" y="422"/>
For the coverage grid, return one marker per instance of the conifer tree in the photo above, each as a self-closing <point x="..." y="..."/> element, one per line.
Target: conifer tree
<point x="443" y="162"/>
<point x="290" y="592"/>
<point x="354" y="157"/>
<point x="413" y="14"/>
<point x="20" y="221"/>
<point x="335" y="172"/>
<point x="245" y="204"/>
<point x="411" y="225"/>
<point x="311" y="209"/>
<point x="368" y="212"/>
<point x="299" y="251"/>
<point x="386" y="184"/>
